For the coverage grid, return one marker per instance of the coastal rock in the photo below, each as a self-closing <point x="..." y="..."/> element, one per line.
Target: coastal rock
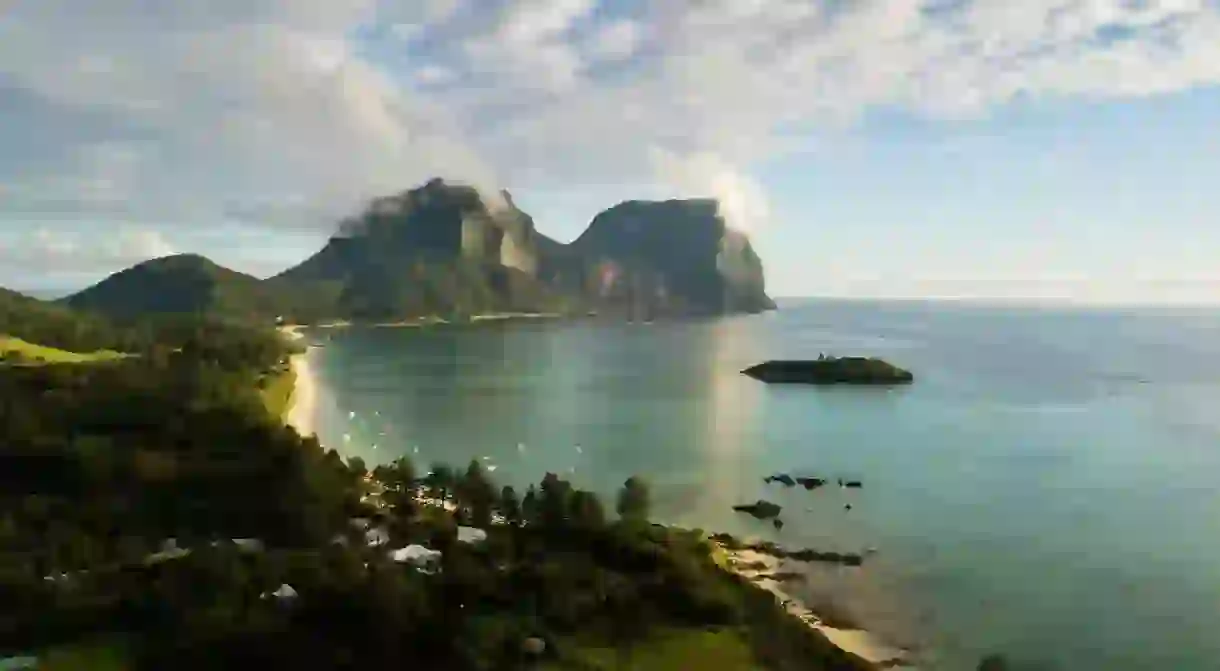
<point x="760" y="509"/>
<point x="808" y="555"/>
<point x="842" y="370"/>
<point x="811" y="483"/>
<point x="782" y="478"/>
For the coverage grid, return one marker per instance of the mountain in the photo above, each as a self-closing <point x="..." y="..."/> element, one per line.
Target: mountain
<point x="445" y="249"/>
<point x="437" y="249"/>
<point x="673" y="256"/>
<point x="179" y="284"/>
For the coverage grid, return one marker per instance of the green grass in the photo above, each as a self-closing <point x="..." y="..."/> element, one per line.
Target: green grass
<point x="99" y="655"/>
<point x="670" y="650"/>
<point x="16" y="350"/>
<point x="276" y="391"/>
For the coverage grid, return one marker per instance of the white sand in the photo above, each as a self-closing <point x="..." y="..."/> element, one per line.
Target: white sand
<point x="303" y="402"/>
<point x="855" y="641"/>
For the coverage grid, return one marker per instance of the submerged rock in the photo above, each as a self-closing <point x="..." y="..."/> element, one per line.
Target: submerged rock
<point x="760" y="509"/>
<point x="849" y="559"/>
<point x="782" y="478"/>
<point x="811" y="483"/>
<point x="842" y="370"/>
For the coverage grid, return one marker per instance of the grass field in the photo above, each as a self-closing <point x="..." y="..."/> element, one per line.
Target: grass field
<point x="16" y="350"/>
<point x="672" y="650"/>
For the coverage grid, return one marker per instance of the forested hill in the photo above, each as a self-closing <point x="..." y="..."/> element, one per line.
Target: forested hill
<point x="183" y="284"/>
<point x="55" y="325"/>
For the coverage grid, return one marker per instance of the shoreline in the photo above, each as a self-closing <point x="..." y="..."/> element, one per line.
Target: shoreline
<point x="764" y="572"/>
<point x="303" y="398"/>
<point x="755" y="567"/>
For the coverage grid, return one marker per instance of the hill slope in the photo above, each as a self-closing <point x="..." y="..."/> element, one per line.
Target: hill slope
<point x="58" y="326"/>
<point x="180" y="284"/>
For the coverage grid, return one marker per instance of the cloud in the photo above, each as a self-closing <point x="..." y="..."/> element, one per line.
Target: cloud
<point x="291" y="114"/>
<point x="82" y="253"/>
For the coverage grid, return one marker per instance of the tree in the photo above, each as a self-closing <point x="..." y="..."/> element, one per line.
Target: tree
<point x="399" y="474"/>
<point x="510" y="507"/>
<point x="357" y="467"/>
<point x="634" y="502"/>
<point x="440" y="482"/>
<point x="476" y="494"/>
<point x="529" y="506"/>
<point x="553" y="504"/>
<point x="586" y="511"/>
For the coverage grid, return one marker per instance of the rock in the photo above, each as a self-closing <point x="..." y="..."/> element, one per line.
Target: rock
<point x="777" y="523"/>
<point x="844" y="370"/>
<point x="847" y="507"/>
<point x="666" y="257"/>
<point x="533" y="646"/>
<point x="782" y="478"/>
<point x="827" y="557"/>
<point x="760" y="509"/>
<point x="811" y="483"/>
<point x="851" y="484"/>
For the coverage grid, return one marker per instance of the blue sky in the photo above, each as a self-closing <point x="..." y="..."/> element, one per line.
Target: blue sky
<point x="1045" y="150"/>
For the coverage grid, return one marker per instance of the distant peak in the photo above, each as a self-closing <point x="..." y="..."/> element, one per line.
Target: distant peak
<point x="179" y="260"/>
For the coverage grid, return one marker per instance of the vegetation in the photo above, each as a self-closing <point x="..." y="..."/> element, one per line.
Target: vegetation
<point x="53" y="325"/>
<point x="180" y="284"/>
<point x="18" y="351"/>
<point x="101" y="465"/>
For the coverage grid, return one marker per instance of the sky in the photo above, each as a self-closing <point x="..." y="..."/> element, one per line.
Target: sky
<point x="1053" y="150"/>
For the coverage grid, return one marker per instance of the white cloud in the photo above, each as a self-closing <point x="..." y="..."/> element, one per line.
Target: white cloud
<point x="616" y="41"/>
<point x="291" y="113"/>
<point x="46" y="247"/>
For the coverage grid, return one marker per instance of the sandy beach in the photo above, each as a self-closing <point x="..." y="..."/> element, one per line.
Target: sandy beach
<point x="758" y="568"/>
<point x="302" y="404"/>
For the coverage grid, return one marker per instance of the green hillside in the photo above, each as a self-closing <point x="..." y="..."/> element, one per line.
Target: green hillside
<point x="180" y="284"/>
<point x="16" y="350"/>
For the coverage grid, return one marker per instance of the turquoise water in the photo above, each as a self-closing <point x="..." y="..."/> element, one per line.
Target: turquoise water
<point x="1047" y="487"/>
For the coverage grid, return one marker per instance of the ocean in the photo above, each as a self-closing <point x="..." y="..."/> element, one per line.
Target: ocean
<point x="1047" y="487"/>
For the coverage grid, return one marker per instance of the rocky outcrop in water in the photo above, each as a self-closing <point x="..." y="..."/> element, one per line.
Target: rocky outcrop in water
<point x="760" y="509"/>
<point x="842" y="370"/>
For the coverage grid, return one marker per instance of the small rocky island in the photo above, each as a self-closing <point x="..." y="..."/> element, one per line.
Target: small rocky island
<point x="830" y="370"/>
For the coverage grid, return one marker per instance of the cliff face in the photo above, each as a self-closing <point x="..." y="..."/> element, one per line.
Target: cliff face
<point x="438" y="249"/>
<point x="672" y="256"/>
